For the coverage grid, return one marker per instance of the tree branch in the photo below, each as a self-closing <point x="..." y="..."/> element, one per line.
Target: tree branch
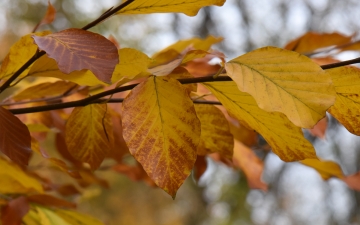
<point x="339" y="64"/>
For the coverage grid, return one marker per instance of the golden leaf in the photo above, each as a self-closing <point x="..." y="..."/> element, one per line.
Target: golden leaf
<point x="19" y="54"/>
<point x="286" y="140"/>
<point x="162" y="131"/>
<point x="132" y="63"/>
<point x="89" y="134"/>
<point x="326" y="169"/>
<point x="188" y="7"/>
<point x="215" y="132"/>
<point x="16" y="181"/>
<point x="76" y="218"/>
<point x="347" y="105"/>
<point x="284" y="81"/>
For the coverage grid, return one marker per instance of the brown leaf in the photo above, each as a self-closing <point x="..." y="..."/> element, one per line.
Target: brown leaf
<point x="68" y="190"/>
<point x="15" y="140"/>
<point x="76" y="49"/>
<point x="353" y="181"/>
<point x="245" y="159"/>
<point x="49" y="200"/>
<point x="13" y="213"/>
<point x="200" y="167"/>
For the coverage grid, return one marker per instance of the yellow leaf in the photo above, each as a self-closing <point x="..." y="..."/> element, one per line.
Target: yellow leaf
<point x="76" y="218"/>
<point x="178" y="47"/>
<point x="326" y="169"/>
<point x="19" y="54"/>
<point x="215" y="132"/>
<point x="15" y="181"/>
<point x="37" y="127"/>
<point x="162" y="131"/>
<point x="181" y="72"/>
<point x="347" y="105"/>
<point x="286" y="140"/>
<point x="284" y="81"/>
<point x="188" y="7"/>
<point x="132" y="62"/>
<point x="32" y="218"/>
<point x="46" y="89"/>
<point x="89" y="134"/>
<point x="48" y="217"/>
<point x="47" y="67"/>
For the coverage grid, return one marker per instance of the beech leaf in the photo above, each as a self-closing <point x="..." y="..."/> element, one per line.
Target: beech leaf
<point x="347" y="104"/>
<point x="89" y="134"/>
<point x="246" y="160"/>
<point x="47" y="67"/>
<point x="13" y="213"/>
<point x="162" y="133"/>
<point x="326" y="169"/>
<point x="72" y="217"/>
<point x="215" y="132"/>
<point x="15" y="140"/>
<point x="286" y="139"/>
<point x="188" y="7"/>
<point x="77" y="49"/>
<point x="284" y="81"/>
<point x="19" y="54"/>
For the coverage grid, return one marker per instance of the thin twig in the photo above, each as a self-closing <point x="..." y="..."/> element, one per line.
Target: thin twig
<point x="339" y="64"/>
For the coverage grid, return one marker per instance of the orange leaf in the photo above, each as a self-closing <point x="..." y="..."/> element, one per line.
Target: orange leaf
<point x="48" y="17"/>
<point x="15" y="140"/>
<point x="76" y="49"/>
<point x="312" y="41"/>
<point x="353" y="181"/>
<point x="246" y="160"/>
<point x="13" y="213"/>
<point x="319" y="129"/>
<point x="89" y="134"/>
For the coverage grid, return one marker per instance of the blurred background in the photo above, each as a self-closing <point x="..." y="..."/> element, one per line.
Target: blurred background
<point x="296" y="195"/>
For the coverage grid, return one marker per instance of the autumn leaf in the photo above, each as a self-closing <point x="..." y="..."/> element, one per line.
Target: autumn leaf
<point x="89" y="134"/>
<point x="77" y="49"/>
<point x="19" y="54"/>
<point x="284" y="81"/>
<point x="347" y="105"/>
<point x="49" y="200"/>
<point x="46" y="89"/>
<point x="132" y="63"/>
<point x="200" y="167"/>
<point x="47" y="67"/>
<point x="320" y="128"/>
<point x="48" y="17"/>
<point x="246" y="160"/>
<point x="188" y="7"/>
<point x="326" y="169"/>
<point x="353" y="181"/>
<point x="181" y="72"/>
<point x="286" y="140"/>
<point x="14" y="211"/>
<point x="48" y="217"/>
<point x="72" y="217"/>
<point x="16" y="181"/>
<point x="162" y="133"/>
<point x="312" y="41"/>
<point x="172" y="51"/>
<point x="215" y="132"/>
<point x="15" y="140"/>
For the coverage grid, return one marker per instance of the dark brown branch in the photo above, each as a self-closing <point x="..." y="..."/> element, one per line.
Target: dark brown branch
<point x="339" y="64"/>
<point x="107" y="14"/>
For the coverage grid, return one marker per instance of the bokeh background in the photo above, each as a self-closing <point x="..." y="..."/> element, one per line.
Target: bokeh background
<point x="296" y="195"/>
